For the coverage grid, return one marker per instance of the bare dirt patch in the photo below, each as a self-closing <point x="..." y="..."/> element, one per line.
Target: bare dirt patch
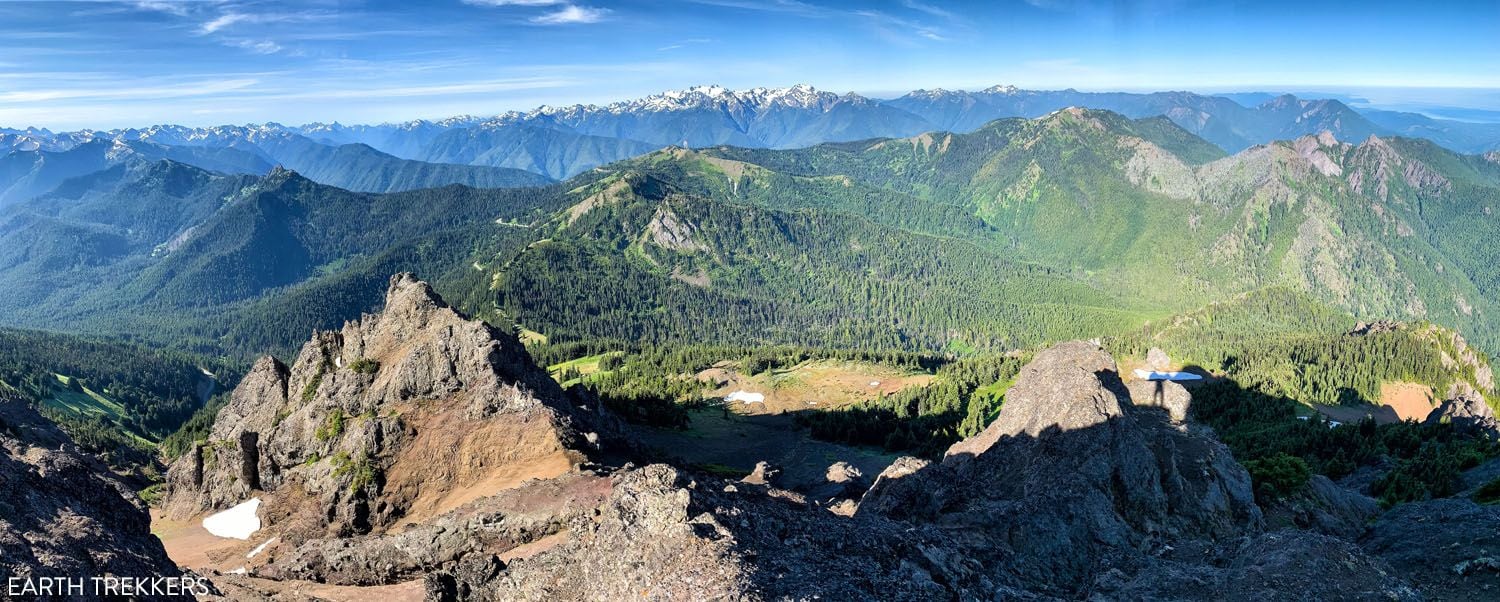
<point x="452" y="461"/>
<point x="191" y="546"/>
<point x="1411" y="401"/>
<point x="1398" y="401"/>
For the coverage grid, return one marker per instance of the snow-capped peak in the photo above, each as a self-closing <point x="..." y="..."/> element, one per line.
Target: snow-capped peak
<point x="1000" y="89"/>
<point x="711" y="96"/>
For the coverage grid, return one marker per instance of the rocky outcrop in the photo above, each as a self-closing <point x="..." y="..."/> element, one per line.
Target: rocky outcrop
<point x="498" y="526"/>
<point x="1324" y="507"/>
<point x="1072" y="481"/>
<point x="663" y="535"/>
<point x="1449" y="548"/>
<point x="63" y="514"/>
<point x="1468" y="413"/>
<point x="1079" y="489"/>
<point x="399" y="417"/>
<point x="1282" y="565"/>
<point x="1164" y="394"/>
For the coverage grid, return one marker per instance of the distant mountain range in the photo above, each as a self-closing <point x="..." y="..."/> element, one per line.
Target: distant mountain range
<point x="560" y="142"/>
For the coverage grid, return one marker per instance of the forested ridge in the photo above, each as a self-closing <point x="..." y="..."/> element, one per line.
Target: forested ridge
<point x="115" y="399"/>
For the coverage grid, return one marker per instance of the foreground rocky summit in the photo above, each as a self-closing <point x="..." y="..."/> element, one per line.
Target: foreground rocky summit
<point x="65" y="518"/>
<point x="398" y="422"/>
<point x="418" y="450"/>
<point x="1075" y="492"/>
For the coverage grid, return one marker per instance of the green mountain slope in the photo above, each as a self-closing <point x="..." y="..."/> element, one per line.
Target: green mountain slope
<point x="1105" y="198"/>
<point x="1075" y="224"/>
<point x="637" y="259"/>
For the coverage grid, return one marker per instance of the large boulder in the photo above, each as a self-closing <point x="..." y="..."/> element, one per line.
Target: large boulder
<point x="1324" y="507"/>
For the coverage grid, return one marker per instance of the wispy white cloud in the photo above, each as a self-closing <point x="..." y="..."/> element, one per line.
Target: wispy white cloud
<point x="415" y="91"/>
<point x="928" y="8"/>
<point x="899" y="30"/>
<point x="572" y="14"/>
<point x="222" y="21"/>
<point x="232" y="18"/>
<point x="122" y="92"/>
<point x="682" y="43"/>
<point x="257" y="46"/>
<point x="178" y="8"/>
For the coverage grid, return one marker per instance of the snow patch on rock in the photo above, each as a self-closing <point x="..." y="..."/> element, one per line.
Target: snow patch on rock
<point x="239" y="522"/>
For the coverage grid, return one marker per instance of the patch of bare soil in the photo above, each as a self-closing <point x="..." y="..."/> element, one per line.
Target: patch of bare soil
<point x="189" y="545"/>
<point x="452" y="462"/>
<point x="1398" y="401"/>
<point x="1411" y="401"/>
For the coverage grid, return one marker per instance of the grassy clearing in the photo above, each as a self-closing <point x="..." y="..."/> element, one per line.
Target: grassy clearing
<point x="72" y="397"/>
<point x="580" y="369"/>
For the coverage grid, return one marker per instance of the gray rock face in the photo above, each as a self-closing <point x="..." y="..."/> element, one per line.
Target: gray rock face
<point x="1468" y="413"/>
<point x="664" y="536"/>
<point x="486" y="528"/>
<point x="63" y="513"/>
<point x="1324" y="507"/>
<point x="1071" y="480"/>
<point x="400" y="416"/>
<point x="1449" y="548"/>
<point x="1164" y="394"/>
<point x="1282" y="565"/>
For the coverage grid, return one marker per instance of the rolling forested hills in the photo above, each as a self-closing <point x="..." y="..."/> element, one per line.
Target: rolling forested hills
<point x="1078" y="223"/>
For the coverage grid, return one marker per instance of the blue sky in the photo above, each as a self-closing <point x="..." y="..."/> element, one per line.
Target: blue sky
<point x="100" y="64"/>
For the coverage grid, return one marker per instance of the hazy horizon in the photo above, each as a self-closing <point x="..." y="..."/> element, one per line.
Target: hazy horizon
<point x="102" y="64"/>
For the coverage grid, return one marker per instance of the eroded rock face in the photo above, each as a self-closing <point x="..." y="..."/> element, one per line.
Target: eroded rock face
<point x="1468" y="413"/>
<point x="1324" y="507"/>
<point x="491" y="527"/>
<point x="1164" y="394"/>
<point x="1281" y="565"/>
<point x="63" y="513"/>
<point x="400" y="416"/>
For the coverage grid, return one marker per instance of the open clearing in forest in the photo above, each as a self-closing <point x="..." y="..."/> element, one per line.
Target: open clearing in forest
<point x="811" y="385"/>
